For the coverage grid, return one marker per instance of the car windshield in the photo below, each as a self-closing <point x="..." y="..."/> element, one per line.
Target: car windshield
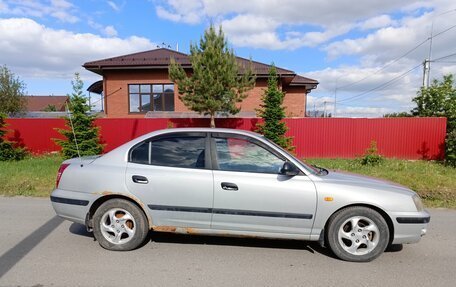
<point x="308" y="167"/>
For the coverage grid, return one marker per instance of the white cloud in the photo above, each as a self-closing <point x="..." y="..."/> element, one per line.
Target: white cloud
<point x="113" y="6"/>
<point x="259" y="32"/>
<point x="34" y="50"/>
<point x="186" y="11"/>
<point x="60" y="9"/>
<point x="286" y="24"/>
<point x="358" y="112"/>
<point x="376" y="22"/>
<point x="61" y="4"/>
<point x="116" y="6"/>
<point x="109" y="30"/>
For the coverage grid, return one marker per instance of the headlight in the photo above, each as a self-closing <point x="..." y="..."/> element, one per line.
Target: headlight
<point x="418" y="203"/>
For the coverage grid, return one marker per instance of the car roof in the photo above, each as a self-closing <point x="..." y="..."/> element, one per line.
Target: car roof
<point x="199" y="129"/>
<point x="123" y="149"/>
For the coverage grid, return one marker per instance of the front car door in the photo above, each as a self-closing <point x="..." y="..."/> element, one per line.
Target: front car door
<point x="171" y="173"/>
<point x="251" y="195"/>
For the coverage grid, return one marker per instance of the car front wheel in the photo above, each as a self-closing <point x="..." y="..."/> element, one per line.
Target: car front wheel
<point x="120" y="225"/>
<point x="357" y="234"/>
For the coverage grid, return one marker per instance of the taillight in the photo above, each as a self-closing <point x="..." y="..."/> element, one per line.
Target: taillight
<point x="62" y="168"/>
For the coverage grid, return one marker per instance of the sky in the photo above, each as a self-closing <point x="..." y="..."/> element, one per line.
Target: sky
<point x="367" y="55"/>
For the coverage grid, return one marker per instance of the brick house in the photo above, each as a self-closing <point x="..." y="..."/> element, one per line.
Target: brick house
<point x="138" y="84"/>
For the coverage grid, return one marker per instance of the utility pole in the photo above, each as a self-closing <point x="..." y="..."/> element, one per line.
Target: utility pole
<point x="428" y="79"/>
<point x="426" y="70"/>
<point x="427" y="62"/>
<point x="335" y="98"/>
<point x="324" y="112"/>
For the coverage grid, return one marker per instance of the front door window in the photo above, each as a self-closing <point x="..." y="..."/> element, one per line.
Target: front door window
<point x="242" y="155"/>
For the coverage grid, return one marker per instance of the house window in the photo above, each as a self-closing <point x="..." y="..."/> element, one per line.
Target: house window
<point x="145" y="97"/>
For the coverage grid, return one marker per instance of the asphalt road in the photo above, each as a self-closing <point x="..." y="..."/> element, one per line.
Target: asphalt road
<point x="39" y="249"/>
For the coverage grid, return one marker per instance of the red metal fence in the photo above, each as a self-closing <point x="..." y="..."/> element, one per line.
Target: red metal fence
<point x="407" y="138"/>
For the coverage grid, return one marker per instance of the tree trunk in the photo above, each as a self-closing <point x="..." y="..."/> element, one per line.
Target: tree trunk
<point x="212" y="121"/>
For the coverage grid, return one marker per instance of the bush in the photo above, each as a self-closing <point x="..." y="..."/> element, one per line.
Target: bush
<point x="371" y="156"/>
<point x="9" y="152"/>
<point x="450" y="153"/>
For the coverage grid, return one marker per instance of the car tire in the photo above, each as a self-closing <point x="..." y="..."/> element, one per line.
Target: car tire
<point x="357" y="234"/>
<point x="120" y="225"/>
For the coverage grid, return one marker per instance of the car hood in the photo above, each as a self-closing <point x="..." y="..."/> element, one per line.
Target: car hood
<point x="353" y="179"/>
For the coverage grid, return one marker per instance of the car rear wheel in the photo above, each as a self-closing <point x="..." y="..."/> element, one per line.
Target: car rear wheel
<point x="357" y="234"/>
<point x="120" y="225"/>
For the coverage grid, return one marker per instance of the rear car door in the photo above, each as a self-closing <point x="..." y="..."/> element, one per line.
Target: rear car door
<point x="251" y="195"/>
<point x="171" y="174"/>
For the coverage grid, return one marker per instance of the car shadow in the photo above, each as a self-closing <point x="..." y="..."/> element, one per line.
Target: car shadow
<point x="394" y="248"/>
<point x="80" y="229"/>
<point x="310" y="246"/>
<point x="165" y="237"/>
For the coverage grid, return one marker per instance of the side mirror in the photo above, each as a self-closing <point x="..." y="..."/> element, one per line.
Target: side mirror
<point x="289" y="169"/>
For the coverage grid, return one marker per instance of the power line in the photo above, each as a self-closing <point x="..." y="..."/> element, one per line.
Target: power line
<point x="444" y="31"/>
<point x="444" y="57"/>
<point x="386" y="84"/>
<point x="398" y="58"/>
<point x="387" y="65"/>
<point x="445" y="62"/>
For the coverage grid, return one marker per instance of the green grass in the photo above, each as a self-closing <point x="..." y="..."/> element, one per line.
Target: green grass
<point x="33" y="176"/>
<point x="436" y="184"/>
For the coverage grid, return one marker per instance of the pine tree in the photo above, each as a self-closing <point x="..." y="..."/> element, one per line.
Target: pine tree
<point x="85" y="133"/>
<point x="273" y="113"/>
<point x="215" y="84"/>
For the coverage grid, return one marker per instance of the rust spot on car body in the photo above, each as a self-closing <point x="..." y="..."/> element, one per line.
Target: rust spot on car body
<point x="164" y="228"/>
<point x="174" y="229"/>
<point x="190" y="230"/>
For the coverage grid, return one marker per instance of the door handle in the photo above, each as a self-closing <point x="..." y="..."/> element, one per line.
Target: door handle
<point x="140" y="179"/>
<point x="229" y="186"/>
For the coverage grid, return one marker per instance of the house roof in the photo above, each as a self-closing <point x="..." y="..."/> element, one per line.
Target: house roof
<point x="39" y="103"/>
<point x="96" y="87"/>
<point x="160" y="58"/>
<point x="300" y="80"/>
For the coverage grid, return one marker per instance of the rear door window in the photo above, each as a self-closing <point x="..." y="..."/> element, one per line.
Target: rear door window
<point x="185" y="152"/>
<point x="175" y="150"/>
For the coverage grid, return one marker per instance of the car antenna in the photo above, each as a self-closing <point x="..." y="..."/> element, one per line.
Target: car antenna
<point x="72" y="129"/>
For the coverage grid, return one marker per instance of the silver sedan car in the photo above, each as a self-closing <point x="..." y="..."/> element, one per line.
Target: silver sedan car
<point x="232" y="183"/>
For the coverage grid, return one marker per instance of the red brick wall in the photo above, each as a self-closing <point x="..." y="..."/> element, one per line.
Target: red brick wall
<point x="116" y="93"/>
<point x="295" y="101"/>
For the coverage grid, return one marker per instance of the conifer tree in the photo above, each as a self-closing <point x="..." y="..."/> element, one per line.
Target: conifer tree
<point x="273" y="113"/>
<point x="85" y="136"/>
<point x="216" y="83"/>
